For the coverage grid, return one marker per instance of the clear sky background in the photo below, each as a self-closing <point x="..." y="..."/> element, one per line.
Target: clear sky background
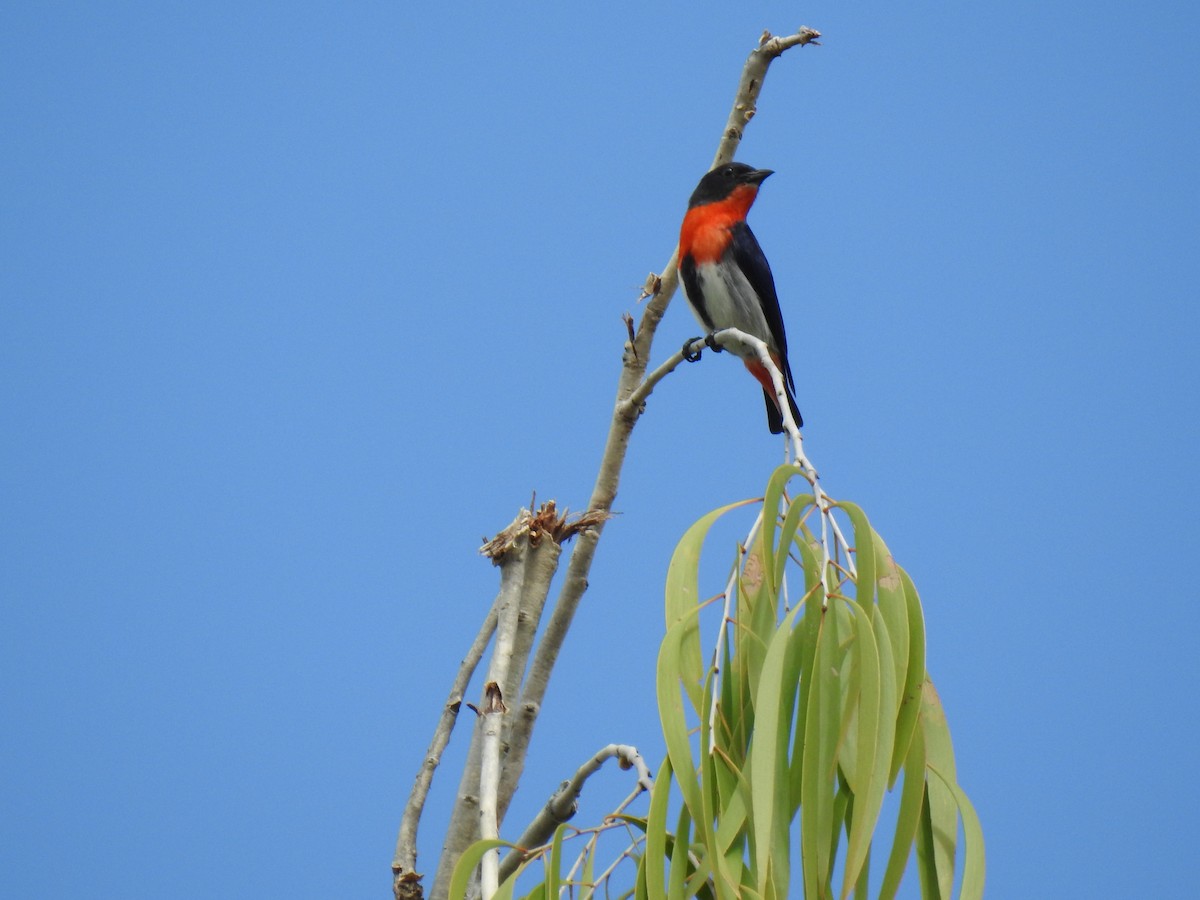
<point x="299" y="301"/>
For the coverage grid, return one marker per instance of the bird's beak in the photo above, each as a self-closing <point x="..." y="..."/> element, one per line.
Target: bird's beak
<point x="758" y="176"/>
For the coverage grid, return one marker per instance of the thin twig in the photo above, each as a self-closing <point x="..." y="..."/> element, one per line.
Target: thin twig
<point x="629" y="853"/>
<point x="733" y="337"/>
<point x="726" y="618"/>
<point x="745" y="103"/>
<point x="493" y="723"/>
<point x="563" y="802"/>
<point x="632" y="405"/>
<point x="405" y="861"/>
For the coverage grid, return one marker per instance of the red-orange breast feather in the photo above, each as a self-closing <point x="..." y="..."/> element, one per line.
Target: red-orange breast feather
<point x="705" y="233"/>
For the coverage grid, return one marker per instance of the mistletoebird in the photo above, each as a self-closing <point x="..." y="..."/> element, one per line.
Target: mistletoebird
<point x="726" y="278"/>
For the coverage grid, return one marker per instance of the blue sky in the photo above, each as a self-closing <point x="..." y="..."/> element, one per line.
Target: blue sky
<point x="298" y="303"/>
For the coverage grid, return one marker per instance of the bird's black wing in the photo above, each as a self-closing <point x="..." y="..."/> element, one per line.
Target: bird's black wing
<point x="753" y="262"/>
<point x="691" y="290"/>
<point x="750" y="259"/>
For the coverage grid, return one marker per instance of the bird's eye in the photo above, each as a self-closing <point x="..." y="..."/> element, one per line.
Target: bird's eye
<point x="728" y="171"/>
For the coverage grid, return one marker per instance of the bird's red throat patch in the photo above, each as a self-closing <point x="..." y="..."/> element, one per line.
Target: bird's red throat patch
<point x="705" y="233"/>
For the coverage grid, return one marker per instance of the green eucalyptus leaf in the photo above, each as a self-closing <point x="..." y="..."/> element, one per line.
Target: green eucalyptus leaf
<point x="468" y="862"/>
<point x="866" y="655"/>
<point x="974" y="861"/>
<point x="908" y="818"/>
<point x="683" y="594"/>
<point x="943" y="808"/>
<point x="914" y="678"/>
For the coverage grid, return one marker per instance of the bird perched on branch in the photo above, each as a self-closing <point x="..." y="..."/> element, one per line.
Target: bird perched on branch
<point x="726" y="278"/>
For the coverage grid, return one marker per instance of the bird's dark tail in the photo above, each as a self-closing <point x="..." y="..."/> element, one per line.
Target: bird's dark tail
<point x="774" y="419"/>
<point x="760" y="373"/>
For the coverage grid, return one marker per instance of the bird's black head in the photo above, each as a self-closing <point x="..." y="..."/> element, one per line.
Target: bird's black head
<point x="724" y="180"/>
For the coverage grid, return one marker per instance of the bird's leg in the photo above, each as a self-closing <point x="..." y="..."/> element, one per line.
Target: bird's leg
<point x="688" y="353"/>
<point x="710" y="340"/>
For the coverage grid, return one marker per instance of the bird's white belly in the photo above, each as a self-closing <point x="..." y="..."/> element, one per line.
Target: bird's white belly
<point x="730" y="301"/>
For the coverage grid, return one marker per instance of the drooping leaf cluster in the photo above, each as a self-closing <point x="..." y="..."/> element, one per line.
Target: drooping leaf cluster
<point x="820" y="710"/>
